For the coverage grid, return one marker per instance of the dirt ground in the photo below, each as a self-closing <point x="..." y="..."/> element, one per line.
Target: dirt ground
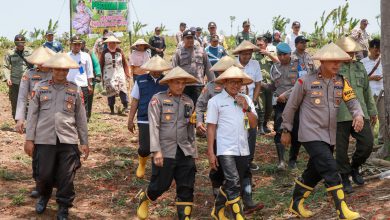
<point x="106" y="185"/>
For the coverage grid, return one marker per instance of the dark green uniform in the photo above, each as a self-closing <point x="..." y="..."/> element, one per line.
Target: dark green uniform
<point x="13" y="69"/>
<point x="356" y="74"/>
<point x="249" y="36"/>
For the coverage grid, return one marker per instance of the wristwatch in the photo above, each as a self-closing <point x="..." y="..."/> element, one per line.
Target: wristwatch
<point x="285" y="131"/>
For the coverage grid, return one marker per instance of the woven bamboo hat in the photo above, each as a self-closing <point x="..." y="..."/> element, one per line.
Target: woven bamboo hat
<point x="234" y="73"/>
<point x="156" y="64"/>
<point x="348" y="44"/>
<point x="40" y="55"/>
<point x="224" y="63"/>
<point x="331" y="52"/>
<point x="178" y="73"/>
<point x="245" y="45"/>
<point x="112" y="39"/>
<point x="140" y="42"/>
<point x="61" y="61"/>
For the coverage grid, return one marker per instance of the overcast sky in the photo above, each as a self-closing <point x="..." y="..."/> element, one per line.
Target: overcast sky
<point x="27" y="14"/>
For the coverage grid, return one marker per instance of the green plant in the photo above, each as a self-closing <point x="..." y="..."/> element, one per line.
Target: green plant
<point x="279" y="23"/>
<point x="137" y="27"/>
<point x="18" y="199"/>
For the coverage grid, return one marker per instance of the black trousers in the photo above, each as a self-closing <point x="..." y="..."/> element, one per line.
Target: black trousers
<point x="122" y="96"/>
<point x="143" y="140"/>
<point x="182" y="169"/>
<point x="364" y="145"/>
<point x="252" y="143"/>
<point x="278" y="120"/>
<point x="235" y="169"/>
<point x="193" y="92"/>
<point x="86" y="100"/>
<point x="57" y="164"/>
<point x="13" y="97"/>
<point x="216" y="176"/>
<point x="90" y="101"/>
<point x="321" y="165"/>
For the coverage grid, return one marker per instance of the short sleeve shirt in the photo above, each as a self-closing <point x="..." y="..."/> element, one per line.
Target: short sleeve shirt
<point x="232" y="137"/>
<point x="254" y="71"/>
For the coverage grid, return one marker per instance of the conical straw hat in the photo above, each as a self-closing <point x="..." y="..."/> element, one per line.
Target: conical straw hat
<point x="348" y="44"/>
<point x="156" y="64"/>
<point x="331" y="52"/>
<point x="245" y="45"/>
<point x="178" y="73"/>
<point x="112" y="39"/>
<point x="61" y="61"/>
<point x="140" y="42"/>
<point x="234" y="73"/>
<point x="224" y="63"/>
<point x="40" y="55"/>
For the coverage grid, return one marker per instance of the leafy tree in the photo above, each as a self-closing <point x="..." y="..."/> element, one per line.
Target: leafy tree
<point x="279" y="23"/>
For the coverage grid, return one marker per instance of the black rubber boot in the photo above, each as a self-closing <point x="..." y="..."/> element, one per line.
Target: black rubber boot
<point x="265" y="128"/>
<point x="112" y="108"/>
<point x="218" y="212"/>
<point x="356" y="177"/>
<point x="301" y="192"/>
<point x="347" y="187"/>
<point x="246" y="192"/>
<point x="40" y="207"/>
<point x="343" y="212"/>
<point x="184" y="210"/>
<point x="62" y="213"/>
<point x="280" y="150"/>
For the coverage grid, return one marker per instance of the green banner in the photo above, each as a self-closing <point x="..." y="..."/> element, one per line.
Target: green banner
<point x="93" y="16"/>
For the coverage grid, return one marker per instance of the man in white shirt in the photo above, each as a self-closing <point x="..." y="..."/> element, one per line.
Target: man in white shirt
<point x="252" y="68"/>
<point x="229" y="116"/>
<point x="373" y="66"/>
<point x="290" y="38"/>
<point x="82" y="76"/>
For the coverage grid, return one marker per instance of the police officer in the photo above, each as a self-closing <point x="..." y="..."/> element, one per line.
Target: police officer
<point x="56" y="122"/>
<point x="172" y="142"/>
<point x="284" y="75"/>
<point x="179" y="34"/>
<point x="356" y="74"/>
<point x="157" y="43"/>
<point x="318" y="97"/>
<point x="245" y="34"/>
<point x="52" y="44"/>
<point x="145" y="87"/>
<point x="305" y="62"/>
<point x="29" y="79"/>
<point x="194" y="60"/>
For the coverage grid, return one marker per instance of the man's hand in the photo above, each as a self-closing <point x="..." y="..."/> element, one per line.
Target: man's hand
<point x="85" y="151"/>
<point x="90" y="90"/>
<point x="286" y="139"/>
<point x="213" y="161"/>
<point x="200" y="128"/>
<point x="9" y="82"/>
<point x="373" y="119"/>
<point x="131" y="126"/>
<point x="358" y="123"/>
<point x="19" y="127"/>
<point x="264" y="52"/>
<point x="241" y="101"/>
<point x="29" y="148"/>
<point x="282" y="98"/>
<point x="158" y="159"/>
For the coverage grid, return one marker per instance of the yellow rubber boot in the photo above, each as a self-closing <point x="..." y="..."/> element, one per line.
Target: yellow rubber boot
<point x="218" y="212"/>
<point x="301" y="192"/>
<point x="343" y="212"/>
<point x="236" y="208"/>
<point x="184" y="210"/>
<point x="143" y="206"/>
<point x="141" y="166"/>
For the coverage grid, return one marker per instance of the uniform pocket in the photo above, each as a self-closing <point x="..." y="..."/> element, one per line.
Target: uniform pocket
<point x="69" y="103"/>
<point x="338" y="94"/>
<point x="360" y="81"/>
<point x="45" y="101"/>
<point x="317" y="98"/>
<point x="167" y="114"/>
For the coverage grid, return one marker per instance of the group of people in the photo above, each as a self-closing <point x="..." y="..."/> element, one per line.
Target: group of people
<point x="204" y="91"/>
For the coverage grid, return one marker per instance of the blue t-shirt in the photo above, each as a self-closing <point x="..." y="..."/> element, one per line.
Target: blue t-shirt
<point x="54" y="46"/>
<point x="215" y="53"/>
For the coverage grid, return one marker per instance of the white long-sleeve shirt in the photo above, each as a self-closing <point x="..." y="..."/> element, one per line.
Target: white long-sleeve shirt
<point x="81" y="75"/>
